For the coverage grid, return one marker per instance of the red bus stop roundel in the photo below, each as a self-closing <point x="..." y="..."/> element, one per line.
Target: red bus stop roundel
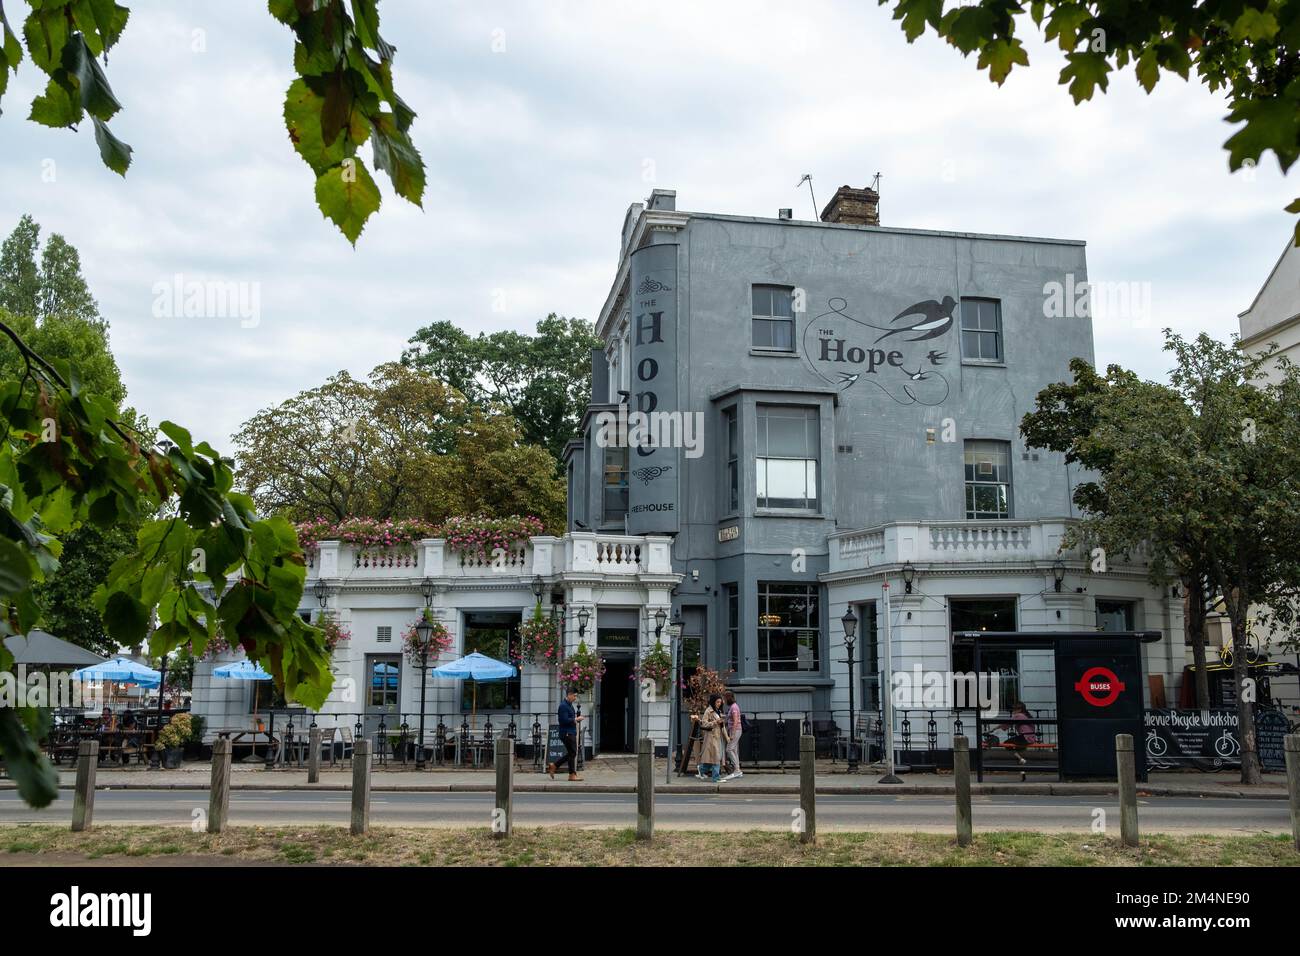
<point x="1100" y="686"/>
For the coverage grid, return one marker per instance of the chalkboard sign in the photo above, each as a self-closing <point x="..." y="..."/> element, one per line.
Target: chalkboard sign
<point x="555" y="752"/>
<point x="1270" y="727"/>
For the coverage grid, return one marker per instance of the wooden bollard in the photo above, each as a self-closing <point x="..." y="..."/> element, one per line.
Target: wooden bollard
<point x="807" y="789"/>
<point x="83" y="799"/>
<point x="961" y="776"/>
<point x="645" y="789"/>
<point x="503" y="814"/>
<point x="313" y="755"/>
<point x="1126" y="770"/>
<point x="360" y="787"/>
<point x="1291" y="746"/>
<point x="219" y="794"/>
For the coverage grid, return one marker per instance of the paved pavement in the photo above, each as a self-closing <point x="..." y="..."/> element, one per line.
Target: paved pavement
<point x="618" y="775"/>
<point x="701" y="811"/>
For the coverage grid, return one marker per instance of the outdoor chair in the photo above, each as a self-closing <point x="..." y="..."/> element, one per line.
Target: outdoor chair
<point x="345" y="745"/>
<point x="327" y="743"/>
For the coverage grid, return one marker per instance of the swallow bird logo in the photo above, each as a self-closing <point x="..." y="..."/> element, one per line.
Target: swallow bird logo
<point x="930" y="318"/>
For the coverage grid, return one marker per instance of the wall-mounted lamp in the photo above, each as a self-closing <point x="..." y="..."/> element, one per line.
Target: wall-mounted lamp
<point x="584" y="615"/>
<point x="427" y="590"/>
<point x="661" y="618"/>
<point x="322" y="593"/>
<point x="909" y="575"/>
<point x="538" y="587"/>
<point x="1058" y="574"/>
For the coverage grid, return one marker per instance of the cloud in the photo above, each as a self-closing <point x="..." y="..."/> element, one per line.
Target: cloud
<point x="540" y="123"/>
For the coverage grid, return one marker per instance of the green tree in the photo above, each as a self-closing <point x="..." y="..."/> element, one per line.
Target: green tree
<point x="1245" y="48"/>
<point x="63" y="322"/>
<point x="54" y="290"/>
<point x="401" y="445"/>
<point x="68" y="459"/>
<point x="1066" y="419"/>
<point x="343" y="95"/>
<point x="1196" y="473"/>
<point x="20" y="281"/>
<point x="543" y="379"/>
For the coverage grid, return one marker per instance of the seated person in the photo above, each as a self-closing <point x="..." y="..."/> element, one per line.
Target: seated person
<point x="131" y="728"/>
<point x="107" y="722"/>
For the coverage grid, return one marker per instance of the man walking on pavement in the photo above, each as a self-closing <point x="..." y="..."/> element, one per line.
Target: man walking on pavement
<point x="567" y="719"/>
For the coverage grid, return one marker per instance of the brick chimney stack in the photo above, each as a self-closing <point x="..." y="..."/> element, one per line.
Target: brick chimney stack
<point x="856" y="207"/>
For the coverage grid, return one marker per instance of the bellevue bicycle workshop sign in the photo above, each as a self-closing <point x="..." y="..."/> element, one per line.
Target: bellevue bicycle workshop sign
<point x="1176" y="738"/>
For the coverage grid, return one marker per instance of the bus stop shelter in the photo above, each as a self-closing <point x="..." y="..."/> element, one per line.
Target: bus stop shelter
<point x="1098" y="694"/>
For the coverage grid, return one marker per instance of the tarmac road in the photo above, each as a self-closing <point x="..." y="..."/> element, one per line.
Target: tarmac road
<point x="917" y="813"/>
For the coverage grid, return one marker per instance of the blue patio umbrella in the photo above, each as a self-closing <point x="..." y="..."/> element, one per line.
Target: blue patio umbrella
<point x="120" y="670"/>
<point x="475" y="667"/>
<point x="242" y="670"/>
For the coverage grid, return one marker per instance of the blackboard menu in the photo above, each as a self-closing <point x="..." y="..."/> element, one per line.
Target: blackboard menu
<point x="1270" y="727"/>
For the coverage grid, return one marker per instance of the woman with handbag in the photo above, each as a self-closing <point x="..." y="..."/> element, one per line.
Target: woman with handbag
<point x="713" y="725"/>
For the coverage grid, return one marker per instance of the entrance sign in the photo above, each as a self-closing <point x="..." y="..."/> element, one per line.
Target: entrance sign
<point x="654" y="469"/>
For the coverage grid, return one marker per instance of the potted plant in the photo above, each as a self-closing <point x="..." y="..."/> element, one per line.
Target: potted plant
<point x="194" y="746"/>
<point x="172" y="739"/>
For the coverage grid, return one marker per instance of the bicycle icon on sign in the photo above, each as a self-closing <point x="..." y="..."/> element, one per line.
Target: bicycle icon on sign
<point x="1227" y="746"/>
<point x="1156" y="745"/>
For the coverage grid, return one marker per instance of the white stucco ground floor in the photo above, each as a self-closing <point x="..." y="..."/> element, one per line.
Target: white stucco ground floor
<point x="998" y="579"/>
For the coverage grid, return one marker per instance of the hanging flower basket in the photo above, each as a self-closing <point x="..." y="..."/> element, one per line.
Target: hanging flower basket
<point x="539" y="640"/>
<point x="656" y="666"/>
<point x="335" y="633"/>
<point x="439" y="640"/>
<point x="581" y="669"/>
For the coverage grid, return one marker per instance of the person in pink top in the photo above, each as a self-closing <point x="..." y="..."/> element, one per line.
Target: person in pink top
<point x="733" y="735"/>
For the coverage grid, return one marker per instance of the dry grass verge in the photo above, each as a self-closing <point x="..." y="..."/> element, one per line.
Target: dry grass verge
<point x="551" y="846"/>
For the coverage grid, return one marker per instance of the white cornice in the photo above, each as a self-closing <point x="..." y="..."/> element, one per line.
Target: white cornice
<point x="650" y="219"/>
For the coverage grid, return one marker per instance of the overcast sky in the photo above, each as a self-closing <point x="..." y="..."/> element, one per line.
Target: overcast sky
<point x="541" y="122"/>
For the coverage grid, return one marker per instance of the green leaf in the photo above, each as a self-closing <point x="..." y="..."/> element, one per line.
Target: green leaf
<point x="46" y="32"/>
<point x="396" y="155"/>
<point x="96" y="95"/>
<point x="38" y="784"/>
<point x="1085" y="71"/>
<point x="180" y="437"/>
<point x="302" y="118"/>
<point x="15" y="569"/>
<point x="125" y="618"/>
<point x="1064" y="24"/>
<point x="59" y="106"/>
<point x="338" y="104"/>
<point x="915" y="14"/>
<point x="1254" y="25"/>
<point x="968" y="28"/>
<point x="1000" y="55"/>
<point x="286" y="11"/>
<point x="1270" y="124"/>
<point x="348" y="196"/>
<point x="1147" y="68"/>
<point x="115" y="153"/>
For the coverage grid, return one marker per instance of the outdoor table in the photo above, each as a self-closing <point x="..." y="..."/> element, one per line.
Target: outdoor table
<point x="236" y="734"/>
